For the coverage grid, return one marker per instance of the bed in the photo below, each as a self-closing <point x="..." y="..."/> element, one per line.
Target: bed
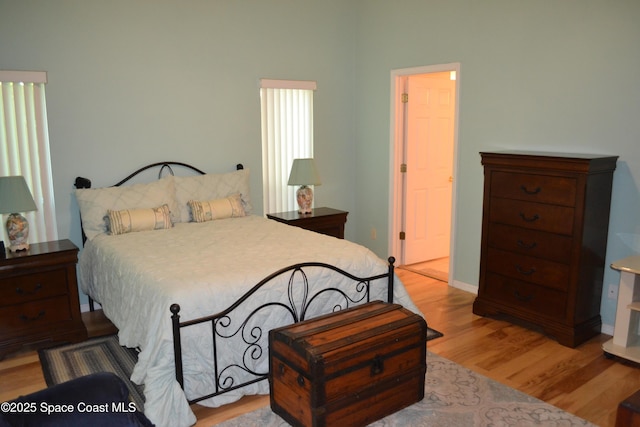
<point x="162" y="257"/>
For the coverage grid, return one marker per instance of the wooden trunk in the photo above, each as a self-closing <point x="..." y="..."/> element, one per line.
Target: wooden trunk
<point x="350" y="368"/>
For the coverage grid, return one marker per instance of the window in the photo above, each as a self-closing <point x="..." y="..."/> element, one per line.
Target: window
<point x="24" y="146"/>
<point x="287" y="134"/>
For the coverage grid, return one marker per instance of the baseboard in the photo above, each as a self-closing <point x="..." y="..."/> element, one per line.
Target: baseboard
<point x="465" y="287"/>
<point x="607" y="329"/>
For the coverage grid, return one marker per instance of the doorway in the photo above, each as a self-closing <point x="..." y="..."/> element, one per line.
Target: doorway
<point x="423" y="152"/>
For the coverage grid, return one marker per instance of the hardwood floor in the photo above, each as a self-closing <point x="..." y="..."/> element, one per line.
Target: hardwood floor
<point x="435" y="268"/>
<point x="581" y="380"/>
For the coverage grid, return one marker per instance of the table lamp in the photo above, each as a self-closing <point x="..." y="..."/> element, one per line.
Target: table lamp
<point x="15" y="197"/>
<point x="304" y="173"/>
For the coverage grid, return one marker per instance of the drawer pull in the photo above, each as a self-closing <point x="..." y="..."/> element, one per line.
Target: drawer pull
<point x="535" y="217"/>
<point x="525" y="246"/>
<point x="31" y="319"/>
<point x="35" y="290"/>
<point x="527" y="191"/>
<point x="524" y="298"/>
<point x="526" y="273"/>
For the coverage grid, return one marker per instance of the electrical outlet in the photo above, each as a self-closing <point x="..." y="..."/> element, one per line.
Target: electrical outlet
<point x="613" y="291"/>
<point x="374" y="233"/>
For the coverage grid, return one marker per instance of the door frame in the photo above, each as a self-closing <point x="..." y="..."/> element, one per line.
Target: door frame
<point x="396" y="153"/>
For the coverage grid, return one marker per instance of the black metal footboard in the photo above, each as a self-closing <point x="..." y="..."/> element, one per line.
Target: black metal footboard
<point x="243" y="323"/>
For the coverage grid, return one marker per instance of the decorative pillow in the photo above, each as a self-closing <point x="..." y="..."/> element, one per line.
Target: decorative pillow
<point x="95" y="202"/>
<point x="130" y="220"/>
<point x="210" y="187"/>
<point x="229" y="207"/>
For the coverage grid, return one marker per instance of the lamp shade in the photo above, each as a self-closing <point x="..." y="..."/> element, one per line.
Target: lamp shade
<point x="15" y="195"/>
<point x="304" y="172"/>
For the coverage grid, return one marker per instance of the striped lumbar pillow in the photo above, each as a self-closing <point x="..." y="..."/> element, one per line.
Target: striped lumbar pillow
<point x="129" y="220"/>
<point x="229" y="207"/>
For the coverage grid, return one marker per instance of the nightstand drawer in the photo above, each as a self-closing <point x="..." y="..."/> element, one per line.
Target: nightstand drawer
<point x="535" y="216"/>
<point x="20" y="289"/>
<point x="556" y="190"/>
<point x="35" y="314"/>
<point x="526" y="296"/>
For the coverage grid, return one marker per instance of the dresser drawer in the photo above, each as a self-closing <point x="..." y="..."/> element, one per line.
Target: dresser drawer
<point x="535" y="243"/>
<point x="530" y="269"/>
<point x="37" y="314"/>
<point x="535" y="216"/>
<point x="29" y="287"/>
<point x="526" y="296"/>
<point x="556" y="190"/>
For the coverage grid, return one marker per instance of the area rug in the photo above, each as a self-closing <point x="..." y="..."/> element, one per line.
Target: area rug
<point x="104" y="354"/>
<point x="454" y="396"/>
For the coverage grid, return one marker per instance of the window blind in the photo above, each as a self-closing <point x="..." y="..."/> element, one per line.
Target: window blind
<point x="24" y="146"/>
<point x="287" y="134"/>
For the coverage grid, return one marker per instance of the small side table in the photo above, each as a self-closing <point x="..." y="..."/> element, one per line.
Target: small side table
<point x="39" y="297"/>
<point x="626" y="342"/>
<point x="321" y="220"/>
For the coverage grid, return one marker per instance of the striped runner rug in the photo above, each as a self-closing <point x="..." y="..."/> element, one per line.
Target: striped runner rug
<point x="103" y="354"/>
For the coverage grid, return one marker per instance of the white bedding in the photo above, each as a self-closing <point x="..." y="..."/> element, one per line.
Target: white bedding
<point x="204" y="267"/>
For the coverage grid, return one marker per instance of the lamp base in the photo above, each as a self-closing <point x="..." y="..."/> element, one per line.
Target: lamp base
<point x="18" y="232"/>
<point x="304" y="195"/>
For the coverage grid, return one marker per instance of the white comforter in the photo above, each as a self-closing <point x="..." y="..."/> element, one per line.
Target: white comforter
<point x="205" y="268"/>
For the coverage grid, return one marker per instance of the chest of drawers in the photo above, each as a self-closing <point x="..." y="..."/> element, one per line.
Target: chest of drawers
<point x="544" y="237"/>
<point x="39" y="297"/>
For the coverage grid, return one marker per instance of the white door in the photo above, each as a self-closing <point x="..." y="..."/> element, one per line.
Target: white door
<point x="429" y="158"/>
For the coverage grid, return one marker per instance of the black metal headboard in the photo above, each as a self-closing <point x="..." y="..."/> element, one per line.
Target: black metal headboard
<point x="82" y="182"/>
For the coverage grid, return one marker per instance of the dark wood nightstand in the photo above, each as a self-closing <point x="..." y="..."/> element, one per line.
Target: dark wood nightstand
<point x="39" y="297"/>
<point x="322" y="220"/>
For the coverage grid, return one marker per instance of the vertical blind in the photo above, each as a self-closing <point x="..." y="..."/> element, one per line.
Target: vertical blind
<point x="24" y="146"/>
<point x="287" y="134"/>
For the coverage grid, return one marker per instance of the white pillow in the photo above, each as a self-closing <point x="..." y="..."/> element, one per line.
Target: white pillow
<point x="95" y="203"/>
<point x="210" y="187"/>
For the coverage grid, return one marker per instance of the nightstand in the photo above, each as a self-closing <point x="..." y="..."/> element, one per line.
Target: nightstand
<point x="39" y="297"/>
<point x="321" y="220"/>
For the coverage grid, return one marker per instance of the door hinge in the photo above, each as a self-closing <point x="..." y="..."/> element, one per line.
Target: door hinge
<point x="403" y="168"/>
<point x="405" y="98"/>
<point x="402" y="235"/>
